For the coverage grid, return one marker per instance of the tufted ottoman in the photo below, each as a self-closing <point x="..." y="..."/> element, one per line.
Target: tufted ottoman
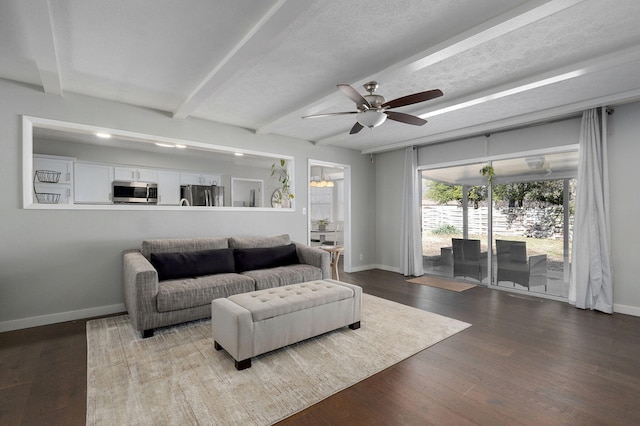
<point x="250" y="324"/>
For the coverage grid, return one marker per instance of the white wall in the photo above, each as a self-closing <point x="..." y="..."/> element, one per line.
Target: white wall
<point x="57" y="265"/>
<point x="624" y="176"/>
<point x="389" y="171"/>
<point x="624" y="173"/>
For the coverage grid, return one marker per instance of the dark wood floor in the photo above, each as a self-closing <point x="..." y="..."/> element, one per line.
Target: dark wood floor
<point x="524" y="361"/>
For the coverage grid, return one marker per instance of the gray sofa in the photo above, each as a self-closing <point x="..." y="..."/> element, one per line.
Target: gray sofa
<point x="171" y="281"/>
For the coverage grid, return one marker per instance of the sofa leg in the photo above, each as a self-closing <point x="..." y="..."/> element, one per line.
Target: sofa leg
<point x="217" y="346"/>
<point x="245" y="363"/>
<point x="355" y="325"/>
<point x="147" y="333"/>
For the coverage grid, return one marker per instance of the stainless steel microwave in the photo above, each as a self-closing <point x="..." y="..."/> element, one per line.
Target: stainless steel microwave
<point x="135" y="193"/>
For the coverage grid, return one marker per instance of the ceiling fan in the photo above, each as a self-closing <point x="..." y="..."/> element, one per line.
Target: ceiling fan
<point x="373" y="109"/>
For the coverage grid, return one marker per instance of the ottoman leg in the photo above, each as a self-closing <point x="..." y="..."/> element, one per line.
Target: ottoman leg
<point x="217" y="346"/>
<point x="355" y="325"/>
<point x="245" y="363"/>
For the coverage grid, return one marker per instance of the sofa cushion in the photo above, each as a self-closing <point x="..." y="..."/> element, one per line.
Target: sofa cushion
<point x="284" y="275"/>
<point x="257" y="242"/>
<point x="192" y="292"/>
<point x="182" y="245"/>
<point x="171" y="266"/>
<point x="269" y="257"/>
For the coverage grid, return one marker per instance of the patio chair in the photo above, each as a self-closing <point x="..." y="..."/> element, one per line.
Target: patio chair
<point x="468" y="261"/>
<point x="514" y="266"/>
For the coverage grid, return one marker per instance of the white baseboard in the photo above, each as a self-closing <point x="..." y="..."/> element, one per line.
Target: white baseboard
<point x="60" y="317"/>
<point x="376" y="266"/>
<point x="388" y="268"/>
<point x="362" y="268"/>
<point x="625" y="309"/>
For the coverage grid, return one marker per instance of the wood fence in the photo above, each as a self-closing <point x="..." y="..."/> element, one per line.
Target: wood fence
<point x="522" y="220"/>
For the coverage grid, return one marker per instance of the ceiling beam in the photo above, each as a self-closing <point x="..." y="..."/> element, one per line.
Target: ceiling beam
<point x="512" y="20"/>
<point x="255" y="43"/>
<point x="600" y="63"/>
<point x="513" y="122"/>
<point x="43" y="47"/>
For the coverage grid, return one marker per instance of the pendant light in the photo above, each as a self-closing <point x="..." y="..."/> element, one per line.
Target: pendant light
<point x="322" y="183"/>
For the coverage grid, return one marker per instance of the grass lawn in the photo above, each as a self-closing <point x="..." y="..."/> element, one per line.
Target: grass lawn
<point x="553" y="248"/>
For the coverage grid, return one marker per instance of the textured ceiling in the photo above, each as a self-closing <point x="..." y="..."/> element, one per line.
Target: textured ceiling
<point x="263" y="65"/>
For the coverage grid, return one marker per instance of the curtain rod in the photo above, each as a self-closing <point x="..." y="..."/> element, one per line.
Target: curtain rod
<point x="609" y="110"/>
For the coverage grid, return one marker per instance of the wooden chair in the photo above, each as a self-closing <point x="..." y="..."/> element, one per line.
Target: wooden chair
<point x="514" y="266"/>
<point x="468" y="261"/>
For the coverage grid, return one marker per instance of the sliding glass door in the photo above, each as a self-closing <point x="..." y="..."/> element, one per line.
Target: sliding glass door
<point x="454" y="223"/>
<point x="532" y="217"/>
<point x="514" y="235"/>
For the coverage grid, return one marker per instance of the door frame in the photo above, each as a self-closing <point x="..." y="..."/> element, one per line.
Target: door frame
<point x="347" y="206"/>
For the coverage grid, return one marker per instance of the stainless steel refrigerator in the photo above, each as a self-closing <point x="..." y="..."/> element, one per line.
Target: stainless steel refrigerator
<point x="202" y="195"/>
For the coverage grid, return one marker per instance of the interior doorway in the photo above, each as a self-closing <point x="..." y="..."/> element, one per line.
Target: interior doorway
<point x="329" y="206"/>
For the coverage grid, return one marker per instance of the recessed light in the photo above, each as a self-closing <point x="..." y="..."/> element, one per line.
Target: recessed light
<point x="238" y="154"/>
<point x="165" y="145"/>
<point x="103" y="135"/>
<point x="180" y="146"/>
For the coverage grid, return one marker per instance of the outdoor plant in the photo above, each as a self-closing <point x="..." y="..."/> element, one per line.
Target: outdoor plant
<point x="445" y="230"/>
<point x="488" y="172"/>
<point x="281" y="173"/>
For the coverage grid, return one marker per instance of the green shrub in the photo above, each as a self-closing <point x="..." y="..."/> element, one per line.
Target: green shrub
<point x="445" y="230"/>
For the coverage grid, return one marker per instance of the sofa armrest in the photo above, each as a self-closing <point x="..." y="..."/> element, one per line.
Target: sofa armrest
<point x="140" y="286"/>
<point x="315" y="257"/>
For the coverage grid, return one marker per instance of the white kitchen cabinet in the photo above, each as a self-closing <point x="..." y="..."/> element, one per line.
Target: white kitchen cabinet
<point x="168" y="188"/>
<point x="135" y="174"/>
<point x="195" y="178"/>
<point x="93" y="183"/>
<point x="53" y="179"/>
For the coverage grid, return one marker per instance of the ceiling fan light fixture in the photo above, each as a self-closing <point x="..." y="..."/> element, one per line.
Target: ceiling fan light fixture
<point x="371" y="118"/>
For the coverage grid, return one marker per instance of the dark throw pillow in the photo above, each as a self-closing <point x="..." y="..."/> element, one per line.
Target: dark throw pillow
<point x="262" y="258"/>
<point x="172" y="266"/>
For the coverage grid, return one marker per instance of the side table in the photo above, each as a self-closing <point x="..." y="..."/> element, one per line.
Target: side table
<point x="334" y="251"/>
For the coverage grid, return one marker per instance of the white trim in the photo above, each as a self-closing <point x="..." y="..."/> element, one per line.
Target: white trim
<point x="29" y="122"/>
<point x="386" y="268"/>
<point x="61" y="317"/>
<point x="153" y="208"/>
<point x="626" y="309"/>
<point x="346" y="168"/>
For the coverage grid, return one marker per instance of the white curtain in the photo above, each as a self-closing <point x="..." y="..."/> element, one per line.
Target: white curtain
<point x="411" y="229"/>
<point x="591" y="283"/>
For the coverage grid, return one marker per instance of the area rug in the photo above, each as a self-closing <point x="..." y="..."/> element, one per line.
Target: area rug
<point x="177" y="377"/>
<point x="441" y="283"/>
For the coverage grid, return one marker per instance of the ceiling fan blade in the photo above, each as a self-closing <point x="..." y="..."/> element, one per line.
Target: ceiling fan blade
<point x="356" y="97"/>
<point x="405" y="118"/>
<point x="413" y="99"/>
<point x="356" y="128"/>
<point x="330" y="114"/>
